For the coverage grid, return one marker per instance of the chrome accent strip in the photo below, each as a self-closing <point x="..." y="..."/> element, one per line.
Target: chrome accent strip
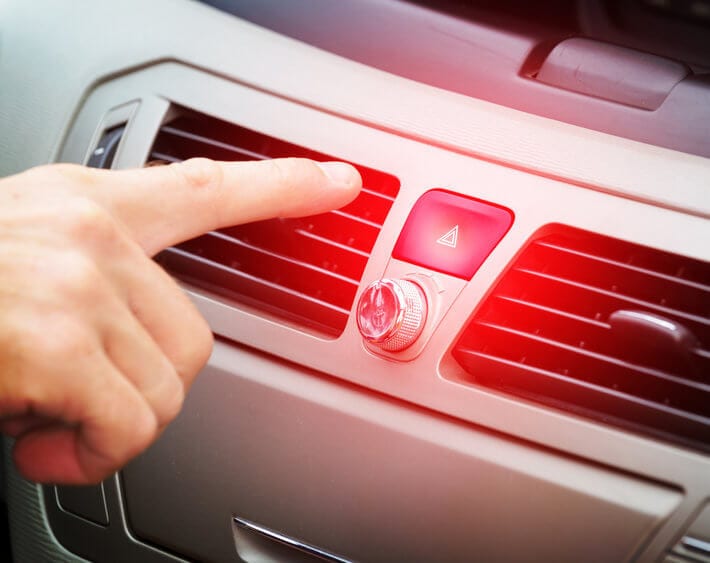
<point x="696" y="544"/>
<point x="289" y="541"/>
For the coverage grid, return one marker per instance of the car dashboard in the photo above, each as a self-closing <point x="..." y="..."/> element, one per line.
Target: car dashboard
<point x="552" y="217"/>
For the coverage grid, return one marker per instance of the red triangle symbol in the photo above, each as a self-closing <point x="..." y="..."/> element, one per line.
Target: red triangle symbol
<point x="450" y="238"/>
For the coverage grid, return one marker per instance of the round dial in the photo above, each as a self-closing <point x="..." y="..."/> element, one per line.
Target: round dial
<point x="391" y="313"/>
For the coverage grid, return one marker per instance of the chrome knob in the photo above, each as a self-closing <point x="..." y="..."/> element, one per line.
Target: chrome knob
<point x="391" y="313"/>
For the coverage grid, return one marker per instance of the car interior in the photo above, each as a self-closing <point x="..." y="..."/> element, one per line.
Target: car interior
<point x="499" y="351"/>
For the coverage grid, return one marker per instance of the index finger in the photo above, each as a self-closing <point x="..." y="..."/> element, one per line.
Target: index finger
<point x="164" y="205"/>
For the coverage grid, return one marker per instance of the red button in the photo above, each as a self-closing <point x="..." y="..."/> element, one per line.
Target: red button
<point x="451" y="233"/>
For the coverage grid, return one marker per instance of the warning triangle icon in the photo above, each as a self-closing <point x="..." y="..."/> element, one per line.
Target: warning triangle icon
<point x="450" y="238"/>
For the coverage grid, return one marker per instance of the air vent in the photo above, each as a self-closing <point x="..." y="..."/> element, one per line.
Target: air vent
<point x="306" y="270"/>
<point x="603" y="328"/>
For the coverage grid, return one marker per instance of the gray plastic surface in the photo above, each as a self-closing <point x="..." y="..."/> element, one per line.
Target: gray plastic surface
<point x="95" y="542"/>
<point x="257" y="544"/>
<point x="370" y="479"/>
<point x="694" y="545"/>
<point x="35" y="519"/>
<point x="641" y="25"/>
<point x="610" y="72"/>
<point x="700" y="528"/>
<point x="486" y="61"/>
<point x="88" y="502"/>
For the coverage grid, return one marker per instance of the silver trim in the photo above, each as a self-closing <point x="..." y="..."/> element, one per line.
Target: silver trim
<point x="654" y="320"/>
<point x="289" y="541"/>
<point x="696" y="544"/>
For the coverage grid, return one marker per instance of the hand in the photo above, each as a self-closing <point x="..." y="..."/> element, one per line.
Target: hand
<point x="98" y="345"/>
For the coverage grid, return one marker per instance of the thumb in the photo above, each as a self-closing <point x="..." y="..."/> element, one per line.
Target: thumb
<point x="164" y="205"/>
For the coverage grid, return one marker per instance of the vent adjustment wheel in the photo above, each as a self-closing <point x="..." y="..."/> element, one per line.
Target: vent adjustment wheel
<point x="391" y="313"/>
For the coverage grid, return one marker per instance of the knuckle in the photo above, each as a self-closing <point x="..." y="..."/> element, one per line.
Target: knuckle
<point x="62" y="338"/>
<point x="18" y="329"/>
<point x="193" y="345"/>
<point x="20" y="332"/>
<point x="204" y="342"/>
<point x="65" y="339"/>
<point x="144" y="430"/>
<point x="120" y="439"/>
<point x="200" y="349"/>
<point x="77" y="277"/>
<point x="172" y="399"/>
<point x="278" y="169"/>
<point x="192" y="363"/>
<point x="199" y="173"/>
<point x="88" y="222"/>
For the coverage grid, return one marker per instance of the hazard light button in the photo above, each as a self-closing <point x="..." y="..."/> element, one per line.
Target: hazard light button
<point x="450" y="233"/>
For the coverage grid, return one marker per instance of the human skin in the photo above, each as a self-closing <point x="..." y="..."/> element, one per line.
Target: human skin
<point x="98" y="345"/>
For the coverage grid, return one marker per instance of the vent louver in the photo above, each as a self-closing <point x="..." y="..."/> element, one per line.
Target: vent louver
<point x="603" y="328"/>
<point x="305" y="270"/>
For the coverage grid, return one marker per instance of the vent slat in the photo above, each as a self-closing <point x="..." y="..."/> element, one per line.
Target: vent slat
<point x="271" y="267"/>
<point x="288" y="257"/>
<point x="615" y="372"/>
<point x="298" y="245"/>
<point x="579" y="332"/>
<point x="340" y="229"/>
<point x="378" y="194"/>
<point x="629" y="267"/>
<point x="354" y="217"/>
<point x="188" y="145"/>
<point x="305" y="270"/>
<point x="581" y="300"/>
<point x="561" y="391"/>
<point x="188" y="257"/>
<point x="218" y="279"/>
<point x="369" y="206"/>
<point x="549" y="332"/>
<point x="156" y="156"/>
<point x="551" y="310"/>
<point x="623" y="300"/>
<point x="664" y="290"/>
<point x="333" y="243"/>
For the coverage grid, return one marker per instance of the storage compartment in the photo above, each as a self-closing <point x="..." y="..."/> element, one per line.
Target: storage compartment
<point x="370" y="479"/>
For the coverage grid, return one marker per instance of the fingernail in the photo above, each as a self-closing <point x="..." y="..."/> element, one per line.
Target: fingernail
<point x="339" y="173"/>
